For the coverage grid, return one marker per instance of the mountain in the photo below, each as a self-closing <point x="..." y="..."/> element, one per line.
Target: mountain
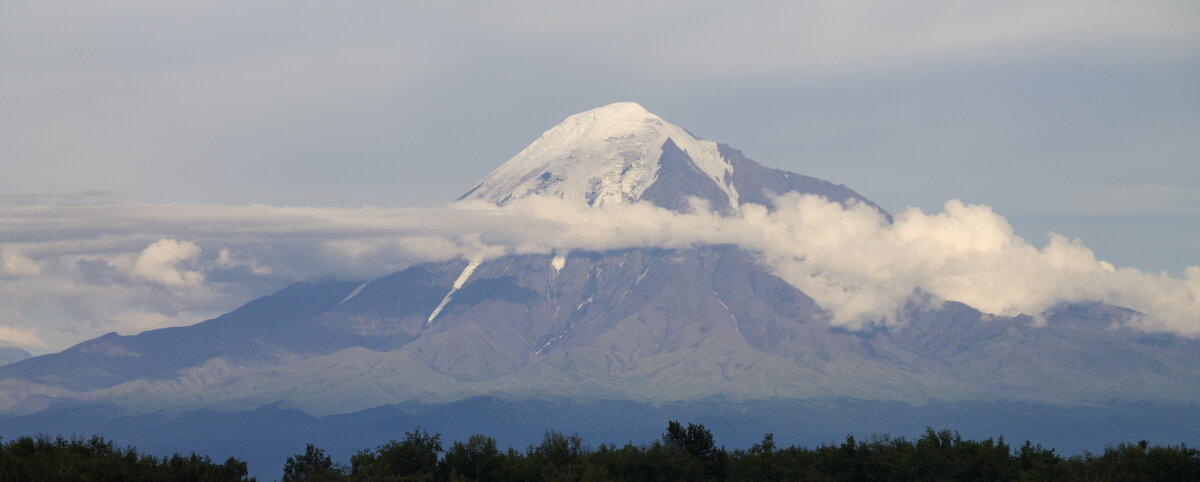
<point x="9" y="354"/>
<point x="637" y="324"/>
<point x="642" y="325"/>
<point x="622" y="153"/>
<point x="647" y="328"/>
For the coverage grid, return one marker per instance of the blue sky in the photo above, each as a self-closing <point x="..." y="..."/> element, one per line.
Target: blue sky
<point x="1078" y="118"/>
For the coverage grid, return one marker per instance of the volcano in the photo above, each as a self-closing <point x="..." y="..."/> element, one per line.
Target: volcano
<point x="649" y="326"/>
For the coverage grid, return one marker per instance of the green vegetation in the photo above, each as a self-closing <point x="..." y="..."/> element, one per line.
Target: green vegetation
<point x="684" y="453"/>
<point x="37" y="459"/>
<point x="690" y="453"/>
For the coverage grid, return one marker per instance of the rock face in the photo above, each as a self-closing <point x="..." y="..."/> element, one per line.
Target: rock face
<point x="644" y="325"/>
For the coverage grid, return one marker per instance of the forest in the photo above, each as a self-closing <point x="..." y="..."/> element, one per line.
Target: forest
<point x="684" y="453"/>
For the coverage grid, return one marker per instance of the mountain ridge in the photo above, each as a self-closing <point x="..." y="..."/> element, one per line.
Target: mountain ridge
<point x="585" y="334"/>
<point x="650" y="325"/>
<point x="622" y="153"/>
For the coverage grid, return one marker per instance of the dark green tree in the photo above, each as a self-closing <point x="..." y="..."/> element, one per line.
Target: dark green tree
<point x="695" y="439"/>
<point x="698" y="442"/>
<point x="477" y="459"/>
<point x="312" y="465"/>
<point x="561" y="453"/>
<point x="413" y="458"/>
<point x="96" y="458"/>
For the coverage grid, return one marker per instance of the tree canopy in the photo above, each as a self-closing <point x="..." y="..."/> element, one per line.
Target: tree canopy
<point x="684" y="452"/>
<point x="95" y="458"/>
<point x="690" y="452"/>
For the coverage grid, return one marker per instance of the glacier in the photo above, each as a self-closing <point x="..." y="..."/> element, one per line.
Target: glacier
<point x="609" y="154"/>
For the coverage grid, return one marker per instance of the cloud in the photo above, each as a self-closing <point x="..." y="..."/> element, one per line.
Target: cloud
<point x="96" y="271"/>
<point x="11" y="333"/>
<point x="22" y="337"/>
<point x="130" y="267"/>
<point x="823" y="36"/>
<point x="227" y="260"/>
<point x="397" y="80"/>
<point x="16" y="265"/>
<point x="164" y="262"/>
<point x="406" y="82"/>
<point x="864" y="270"/>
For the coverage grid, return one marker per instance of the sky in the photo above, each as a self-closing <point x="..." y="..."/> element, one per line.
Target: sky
<point x="165" y="162"/>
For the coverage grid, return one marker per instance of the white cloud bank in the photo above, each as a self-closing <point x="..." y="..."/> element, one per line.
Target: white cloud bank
<point x="863" y="270"/>
<point x="132" y="267"/>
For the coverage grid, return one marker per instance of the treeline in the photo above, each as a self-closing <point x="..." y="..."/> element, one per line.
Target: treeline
<point x="690" y="453"/>
<point x="42" y="458"/>
<point x="684" y="453"/>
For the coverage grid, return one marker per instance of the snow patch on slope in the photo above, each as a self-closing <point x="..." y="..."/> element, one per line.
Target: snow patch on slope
<point x="355" y="292"/>
<point x="605" y="155"/>
<point x="458" y="284"/>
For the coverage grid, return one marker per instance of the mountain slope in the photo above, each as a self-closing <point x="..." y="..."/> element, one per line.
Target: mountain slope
<point x="9" y="354"/>
<point x="643" y="325"/>
<point x="606" y="155"/>
<point x="621" y="153"/>
<point x="647" y="325"/>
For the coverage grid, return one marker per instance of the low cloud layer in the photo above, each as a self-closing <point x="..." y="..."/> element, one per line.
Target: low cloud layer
<point x="69" y="273"/>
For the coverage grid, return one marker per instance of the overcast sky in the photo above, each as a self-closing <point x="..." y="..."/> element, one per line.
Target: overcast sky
<point x="1074" y="117"/>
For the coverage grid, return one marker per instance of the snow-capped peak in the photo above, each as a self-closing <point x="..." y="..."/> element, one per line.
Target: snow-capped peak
<point x="609" y="154"/>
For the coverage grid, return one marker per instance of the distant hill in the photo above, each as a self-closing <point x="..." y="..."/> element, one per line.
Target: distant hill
<point x="9" y="354"/>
